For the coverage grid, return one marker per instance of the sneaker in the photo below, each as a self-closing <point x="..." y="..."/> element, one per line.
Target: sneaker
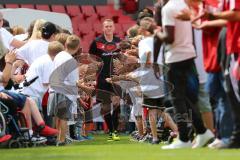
<point x="115" y="136"/>
<point x="203" y="139"/>
<point x="146" y="138"/>
<point x="61" y="144"/>
<point x="155" y="141"/>
<point x="110" y="137"/>
<point x="217" y="144"/>
<point x="5" y="138"/>
<point x="88" y="137"/>
<point x="178" y="144"/>
<point x="38" y="139"/>
<point x="48" y="131"/>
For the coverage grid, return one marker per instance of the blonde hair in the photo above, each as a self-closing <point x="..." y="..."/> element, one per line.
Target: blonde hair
<point x="107" y="20"/>
<point x="36" y="33"/>
<point x="54" y="48"/>
<point x="16" y="30"/>
<point x="62" y="37"/>
<point x="72" y="42"/>
<point x="147" y="24"/>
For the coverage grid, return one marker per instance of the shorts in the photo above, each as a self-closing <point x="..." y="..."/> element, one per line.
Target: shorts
<point x="104" y="95"/>
<point x="203" y="100"/>
<point x="59" y="106"/>
<point x="153" y="103"/>
<point x="88" y="118"/>
<point x="18" y="98"/>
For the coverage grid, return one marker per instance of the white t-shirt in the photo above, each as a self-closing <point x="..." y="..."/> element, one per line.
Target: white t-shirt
<point x="150" y="86"/>
<point x="199" y="60"/>
<point x="7" y="37"/>
<point x="182" y="47"/>
<point x="42" y="67"/>
<point x="145" y="46"/>
<point x="66" y="71"/>
<point x="21" y="37"/>
<point x="32" y="50"/>
<point x="64" y="77"/>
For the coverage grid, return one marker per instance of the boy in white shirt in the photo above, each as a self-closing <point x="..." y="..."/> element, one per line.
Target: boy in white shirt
<point x="42" y="67"/>
<point x="63" y="82"/>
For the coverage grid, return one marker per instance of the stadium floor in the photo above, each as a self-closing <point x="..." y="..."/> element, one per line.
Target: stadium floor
<point x="99" y="149"/>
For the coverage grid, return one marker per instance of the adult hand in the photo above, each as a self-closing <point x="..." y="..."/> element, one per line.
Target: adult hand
<point x="184" y="15"/>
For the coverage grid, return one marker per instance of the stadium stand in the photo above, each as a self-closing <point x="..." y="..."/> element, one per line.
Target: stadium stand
<point x="86" y="19"/>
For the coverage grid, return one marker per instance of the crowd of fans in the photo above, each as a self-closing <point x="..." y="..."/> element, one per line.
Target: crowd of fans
<point x="178" y="69"/>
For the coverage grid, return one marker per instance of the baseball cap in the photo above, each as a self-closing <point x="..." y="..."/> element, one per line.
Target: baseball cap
<point x="48" y="29"/>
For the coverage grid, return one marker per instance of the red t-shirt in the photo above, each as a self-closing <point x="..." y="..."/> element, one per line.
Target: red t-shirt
<point x="233" y="28"/>
<point x="210" y="43"/>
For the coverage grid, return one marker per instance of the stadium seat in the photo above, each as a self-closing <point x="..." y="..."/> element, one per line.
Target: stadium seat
<point x="11" y="6"/>
<point x="126" y="26"/>
<point x="88" y="10"/>
<point x="89" y="37"/>
<point x="73" y="10"/>
<point x="85" y="46"/>
<point x="103" y="11"/>
<point x="125" y="19"/>
<point x="58" y="8"/>
<point x="92" y="19"/>
<point x="43" y="7"/>
<point x="78" y="19"/>
<point x="129" y="6"/>
<point x="97" y="27"/>
<point x="30" y="6"/>
<point x="85" y="29"/>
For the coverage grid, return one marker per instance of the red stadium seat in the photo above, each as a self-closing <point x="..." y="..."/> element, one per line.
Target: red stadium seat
<point x="92" y="19"/>
<point x="30" y="6"/>
<point x="89" y="37"/>
<point x="125" y="19"/>
<point x="78" y="19"/>
<point x="97" y="27"/>
<point x="58" y="8"/>
<point x="43" y="7"/>
<point x="103" y="11"/>
<point x="73" y="10"/>
<point x="11" y="6"/>
<point x="129" y="6"/>
<point x="85" y="29"/>
<point x="126" y="26"/>
<point x="118" y="27"/>
<point x="85" y="46"/>
<point x="88" y="10"/>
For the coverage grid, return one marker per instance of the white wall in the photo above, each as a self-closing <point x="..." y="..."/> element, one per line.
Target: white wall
<point x="24" y="17"/>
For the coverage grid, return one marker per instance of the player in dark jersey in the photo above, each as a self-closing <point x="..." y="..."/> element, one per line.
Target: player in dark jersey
<point x="106" y="47"/>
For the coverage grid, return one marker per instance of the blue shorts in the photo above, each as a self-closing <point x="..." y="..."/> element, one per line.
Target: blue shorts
<point x="18" y="98"/>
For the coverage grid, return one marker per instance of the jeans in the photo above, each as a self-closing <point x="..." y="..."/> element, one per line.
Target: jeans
<point x="186" y="111"/>
<point x="222" y="111"/>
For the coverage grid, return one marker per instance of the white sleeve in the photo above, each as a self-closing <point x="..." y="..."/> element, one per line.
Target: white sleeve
<point x="168" y="18"/>
<point x="23" y="52"/>
<point x="7" y="38"/>
<point x="143" y="48"/>
<point x="46" y="71"/>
